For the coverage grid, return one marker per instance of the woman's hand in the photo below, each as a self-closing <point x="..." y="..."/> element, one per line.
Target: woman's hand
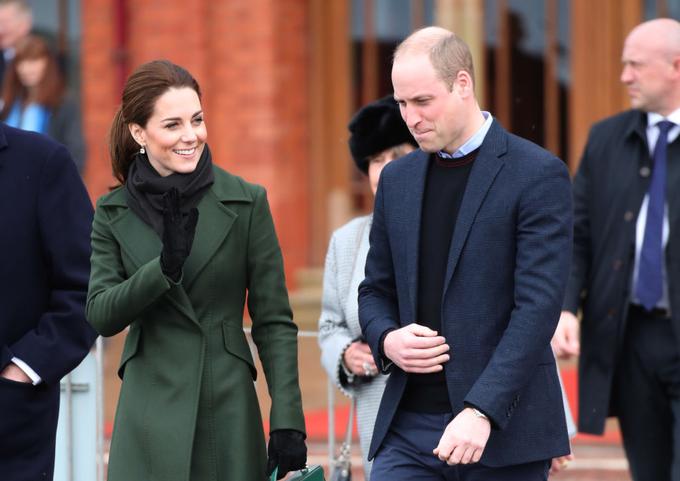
<point x="359" y="360"/>
<point x="287" y="451"/>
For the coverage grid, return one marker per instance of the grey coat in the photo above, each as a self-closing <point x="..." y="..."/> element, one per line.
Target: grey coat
<point x="339" y="322"/>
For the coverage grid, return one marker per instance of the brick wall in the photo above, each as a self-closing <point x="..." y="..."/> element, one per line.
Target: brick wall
<point x="251" y="59"/>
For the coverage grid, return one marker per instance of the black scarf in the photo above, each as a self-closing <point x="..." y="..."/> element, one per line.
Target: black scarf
<point x="145" y="188"/>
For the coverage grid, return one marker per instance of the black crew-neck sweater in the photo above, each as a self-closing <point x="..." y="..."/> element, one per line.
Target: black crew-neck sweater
<point x="444" y="188"/>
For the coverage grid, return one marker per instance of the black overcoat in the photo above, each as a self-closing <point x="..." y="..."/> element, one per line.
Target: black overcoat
<point x="45" y="219"/>
<point x="609" y="187"/>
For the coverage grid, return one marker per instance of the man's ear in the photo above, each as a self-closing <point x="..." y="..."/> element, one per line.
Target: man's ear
<point x="464" y="83"/>
<point x="137" y="133"/>
<point x="676" y="66"/>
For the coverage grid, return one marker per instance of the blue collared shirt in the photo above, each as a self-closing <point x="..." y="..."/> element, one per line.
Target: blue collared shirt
<point x="473" y="142"/>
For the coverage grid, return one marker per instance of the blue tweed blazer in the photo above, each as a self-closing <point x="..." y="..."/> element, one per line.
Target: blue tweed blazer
<point x="507" y="269"/>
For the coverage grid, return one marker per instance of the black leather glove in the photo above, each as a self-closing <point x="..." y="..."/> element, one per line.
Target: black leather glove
<point x="178" y="235"/>
<point x="287" y="450"/>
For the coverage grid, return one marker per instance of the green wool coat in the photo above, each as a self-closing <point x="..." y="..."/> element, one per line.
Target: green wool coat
<point x="188" y="409"/>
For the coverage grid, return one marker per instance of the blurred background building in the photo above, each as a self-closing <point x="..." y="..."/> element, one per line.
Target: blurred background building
<point x="281" y="78"/>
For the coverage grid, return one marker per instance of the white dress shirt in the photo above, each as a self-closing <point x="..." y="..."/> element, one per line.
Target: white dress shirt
<point x="652" y="136"/>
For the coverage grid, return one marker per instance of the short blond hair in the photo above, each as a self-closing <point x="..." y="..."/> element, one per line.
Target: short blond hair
<point x="447" y="52"/>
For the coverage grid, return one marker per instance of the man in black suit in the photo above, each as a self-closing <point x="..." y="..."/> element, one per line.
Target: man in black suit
<point x="470" y="248"/>
<point x="626" y="268"/>
<point x="44" y="271"/>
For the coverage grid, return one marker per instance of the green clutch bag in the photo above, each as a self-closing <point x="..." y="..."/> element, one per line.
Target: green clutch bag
<point x="312" y="473"/>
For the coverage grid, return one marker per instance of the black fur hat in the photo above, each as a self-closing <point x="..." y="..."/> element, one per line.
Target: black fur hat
<point x="376" y="127"/>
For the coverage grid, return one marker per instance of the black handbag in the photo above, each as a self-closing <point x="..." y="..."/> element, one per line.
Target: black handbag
<point x="342" y="463"/>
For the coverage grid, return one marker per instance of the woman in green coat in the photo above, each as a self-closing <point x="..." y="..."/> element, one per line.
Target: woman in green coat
<point x="177" y="250"/>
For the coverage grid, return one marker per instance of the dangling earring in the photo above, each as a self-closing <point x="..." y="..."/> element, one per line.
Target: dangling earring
<point x="142" y="150"/>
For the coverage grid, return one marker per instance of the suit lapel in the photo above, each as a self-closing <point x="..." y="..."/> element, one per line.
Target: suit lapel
<point x="413" y="188"/>
<point x="484" y="171"/>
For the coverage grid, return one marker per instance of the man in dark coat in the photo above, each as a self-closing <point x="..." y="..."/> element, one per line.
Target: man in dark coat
<point x="469" y="256"/>
<point x="626" y="269"/>
<point x="44" y="270"/>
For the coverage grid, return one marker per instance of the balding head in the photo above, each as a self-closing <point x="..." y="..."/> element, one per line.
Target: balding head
<point x="661" y="36"/>
<point x="446" y="51"/>
<point x="16" y="21"/>
<point x="651" y="66"/>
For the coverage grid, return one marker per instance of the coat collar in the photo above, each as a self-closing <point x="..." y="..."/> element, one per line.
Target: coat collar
<point x="215" y="220"/>
<point x="637" y="125"/>
<point x="227" y="188"/>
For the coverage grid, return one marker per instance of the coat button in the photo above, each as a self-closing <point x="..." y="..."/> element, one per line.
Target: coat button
<point x="628" y="216"/>
<point x="645" y="171"/>
<point x="616" y="265"/>
<point x="611" y="312"/>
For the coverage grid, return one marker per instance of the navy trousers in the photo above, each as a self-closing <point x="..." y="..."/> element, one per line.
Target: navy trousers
<point x="406" y="455"/>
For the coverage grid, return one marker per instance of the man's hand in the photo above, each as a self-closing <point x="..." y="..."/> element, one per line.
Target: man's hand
<point x="464" y="439"/>
<point x="359" y="360"/>
<point x="558" y="464"/>
<point x="565" y="342"/>
<point x="14" y="373"/>
<point x="416" y="348"/>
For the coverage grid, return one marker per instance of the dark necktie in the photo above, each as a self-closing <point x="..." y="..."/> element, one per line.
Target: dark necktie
<point x="649" y="288"/>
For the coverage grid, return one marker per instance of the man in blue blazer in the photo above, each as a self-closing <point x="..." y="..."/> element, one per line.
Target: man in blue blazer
<point x="44" y="270"/>
<point x="469" y="255"/>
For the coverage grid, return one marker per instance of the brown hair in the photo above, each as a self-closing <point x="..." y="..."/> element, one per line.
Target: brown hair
<point x="49" y="92"/>
<point x="142" y="89"/>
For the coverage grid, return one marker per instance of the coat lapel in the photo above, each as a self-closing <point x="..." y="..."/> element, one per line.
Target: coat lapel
<point x="629" y="175"/>
<point x="484" y="171"/>
<point x="414" y="187"/>
<point x="141" y="243"/>
<point x="136" y="238"/>
<point x="214" y="223"/>
<point x="672" y="193"/>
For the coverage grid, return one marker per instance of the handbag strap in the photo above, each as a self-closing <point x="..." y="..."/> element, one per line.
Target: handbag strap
<point x="357" y="246"/>
<point x="350" y="423"/>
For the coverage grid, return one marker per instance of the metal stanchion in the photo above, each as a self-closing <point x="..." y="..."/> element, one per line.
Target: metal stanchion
<point x="78" y="450"/>
<point x="99" y="357"/>
<point x="67" y="387"/>
<point x="331" y="424"/>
